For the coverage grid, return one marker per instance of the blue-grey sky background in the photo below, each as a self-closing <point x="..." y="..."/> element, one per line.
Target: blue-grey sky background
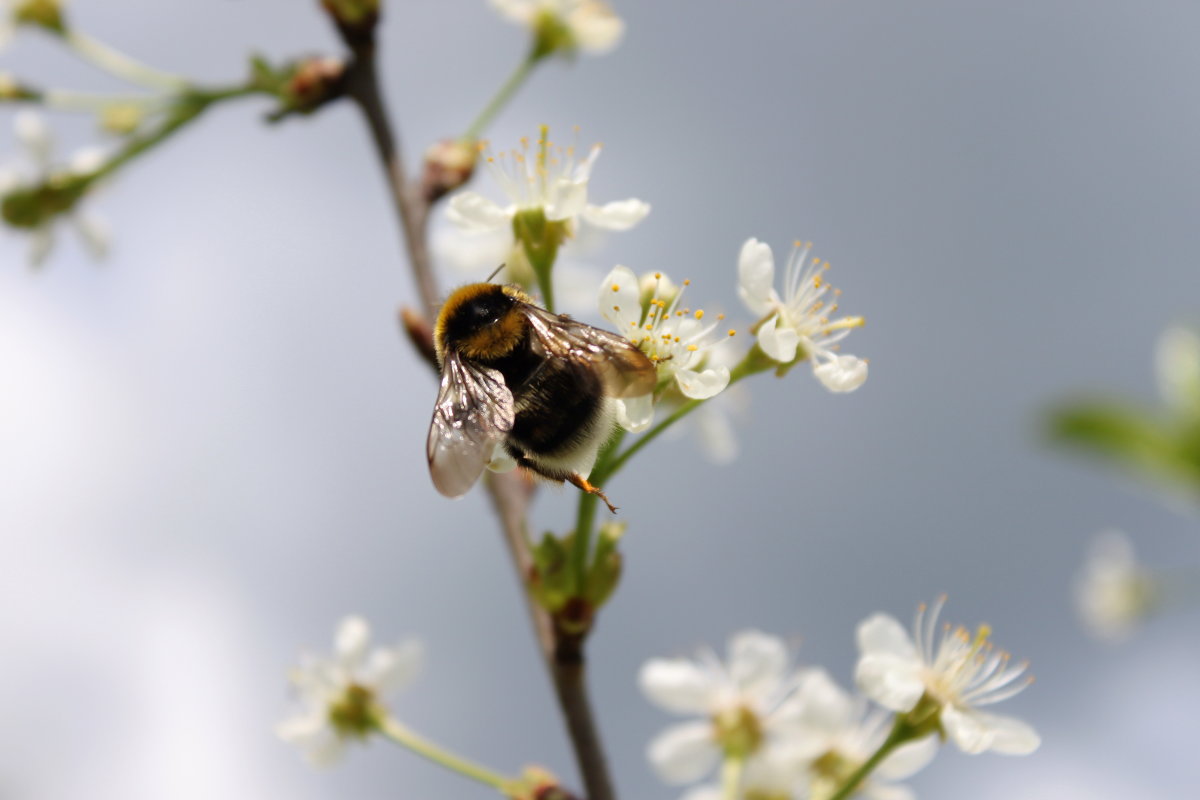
<point x="211" y="446"/>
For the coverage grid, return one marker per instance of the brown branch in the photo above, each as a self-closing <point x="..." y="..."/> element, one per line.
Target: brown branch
<point x="363" y="87"/>
<point x="511" y="493"/>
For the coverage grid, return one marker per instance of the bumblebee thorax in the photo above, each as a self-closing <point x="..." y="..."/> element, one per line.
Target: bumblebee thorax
<point x="481" y="321"/>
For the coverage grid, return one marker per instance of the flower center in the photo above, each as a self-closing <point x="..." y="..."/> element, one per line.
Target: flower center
<point x="355" y="712"/>
<point x="738" y="731"/>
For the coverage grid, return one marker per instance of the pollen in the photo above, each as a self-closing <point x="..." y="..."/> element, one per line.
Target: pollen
<point x="658" y="276"/>
<point x="699" y="313"/>
<point x="732" y="332"/>
<point x="616" y="287"/>
<point x="692" y="348"/>
<point x="616" y="308"/>
<point x="687" y="282"/>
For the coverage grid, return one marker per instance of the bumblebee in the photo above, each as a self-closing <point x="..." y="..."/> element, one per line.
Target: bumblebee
<point x="537" y="385"/>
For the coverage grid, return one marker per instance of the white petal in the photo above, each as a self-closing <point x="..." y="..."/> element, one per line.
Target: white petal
<point x="882" y="791"/>
<point x="820" y="705"/>
<point x="314" y="736"/>
<point x="87" y="160"/>
<point x="520" y="11"/>
<point x="7" y="31"/>
<point x="34" y="134"/>
<point x="908" y="759"/>
<point x="94" y="232"/>
<point x="501" y="460"/>
<point x="842" y="374"/>
<point x="635" y="414"/>
<point x="351" y="640"/>
<point x="684" y="753"/>
<point x="756" y="275"/>
<point x="1177" y="362"/>
<point x="472" y="211"/>
<point x="620" y="215"/>
<point x="716" y="433"/>
<point x="41" y="242"/>
<point x="620" y="299"/>
<point x="390" y="669"/>
<point x="570" y="198"/>
<point x="678" y="685"/>
<point x="894" y="683"/>
<point x="778" y="343"/>
<point x="758" y="662"/>
<point x="595" y="27"/>
<point x="707" y="791"/>
<point x="881" y="634"/>
<point x="977" y="732"/>
<point x="702" y="385"/>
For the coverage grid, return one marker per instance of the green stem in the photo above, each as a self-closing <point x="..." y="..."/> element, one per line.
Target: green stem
<point x="585" y="517"/>
<point x="901" y="732"/>
<point x="122" y="66"/>
<point x="427" y="749"/>
<point x="189" y="107"/>
<point x="65" y="100"/>
<point x="731" y="777"/>
<point x="502" y="96"/>
<point x="753" y="363"/>
<point x="543" y="268"/>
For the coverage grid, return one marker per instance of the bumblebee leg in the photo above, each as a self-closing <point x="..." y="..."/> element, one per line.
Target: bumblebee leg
<point x="582" y="482"/>
<point x="574" y="478"/>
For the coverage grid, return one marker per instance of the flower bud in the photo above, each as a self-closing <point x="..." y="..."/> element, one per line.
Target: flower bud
<point x="537" y="783"/>
<point x="45" y="14"/>
<point x="357" y="17"/>
<point x="314" y="82"/>
<point x="31" y="207"/>
<point x="449" y="164"/>
<point x="121" y="119"/>
<point x="12" y="89"/>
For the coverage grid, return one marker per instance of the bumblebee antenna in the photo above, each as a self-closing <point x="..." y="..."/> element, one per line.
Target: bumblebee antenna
<point x="495" y="272"/>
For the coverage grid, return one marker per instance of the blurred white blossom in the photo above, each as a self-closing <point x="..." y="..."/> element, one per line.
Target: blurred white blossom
<point x="549" y="178"/>
<point x="954" y="672"/>
<point x="741" y="705"/>
<point x="676" y="339"/>
<point x="799" y="322"/>
<point x="588" y="25"/>
<point x="341" y="696"/>
<point x="1177" y="362"/>
<point x="1113" y="592"/>
<point x="38" y="144"/>
<point x="843" y="734"/>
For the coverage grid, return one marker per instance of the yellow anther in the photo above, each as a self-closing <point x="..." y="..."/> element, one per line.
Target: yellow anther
<point x="720" y="317"/>
<point x="692" y="348"/>
<point x="616" y="287"/>
<point x="732" y="332"/>
<point x="658" y="276"/>
<point x="616" y="308"/>
<point x="700" y="314"/>
<point x="797" y="243"/>
<point x="687" y="282"/>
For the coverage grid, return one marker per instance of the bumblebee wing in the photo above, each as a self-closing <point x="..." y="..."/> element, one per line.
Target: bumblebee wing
<point x="473" y="413"/>
<point x="623" y="369"/>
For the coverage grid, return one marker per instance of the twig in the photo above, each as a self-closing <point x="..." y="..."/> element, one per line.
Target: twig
<point x="363" y="88"/>
<point x="510" y="493"/>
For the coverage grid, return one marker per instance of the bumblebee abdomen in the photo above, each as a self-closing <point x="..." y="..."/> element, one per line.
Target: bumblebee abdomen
<point x="559" y="412"/>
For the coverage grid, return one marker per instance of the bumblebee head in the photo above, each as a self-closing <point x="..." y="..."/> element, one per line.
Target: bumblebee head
<point x="481" y="321"/>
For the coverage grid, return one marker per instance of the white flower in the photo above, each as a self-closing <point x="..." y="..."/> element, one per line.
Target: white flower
<point x="798" y="322"/>
<point x="676" y="339"/>
<point x="342" y="695"/>
<point x="843" y="734"/>
<point x="551" y="179"/>
<point x="956" y="674"/>
<point x="473" y="255"/>
<point x="769" y="775"/>
<point x="589" y="25"/>
<point x="35" y="137"/>
<point x="1113" y="592"/>
<point x="1177" y="358"/>
<point x="739" y="702"/>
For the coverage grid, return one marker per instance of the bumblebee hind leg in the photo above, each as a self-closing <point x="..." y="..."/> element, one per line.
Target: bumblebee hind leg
<point x="574" y="478"/>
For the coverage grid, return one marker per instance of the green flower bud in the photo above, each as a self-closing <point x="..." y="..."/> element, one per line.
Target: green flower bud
<point x="45" y="14"/>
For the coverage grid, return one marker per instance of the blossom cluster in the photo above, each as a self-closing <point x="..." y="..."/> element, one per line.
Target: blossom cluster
<point x="797" y="734"/>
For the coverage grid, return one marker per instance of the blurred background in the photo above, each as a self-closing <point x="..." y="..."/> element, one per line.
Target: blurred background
<point x="211" y="445"/>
